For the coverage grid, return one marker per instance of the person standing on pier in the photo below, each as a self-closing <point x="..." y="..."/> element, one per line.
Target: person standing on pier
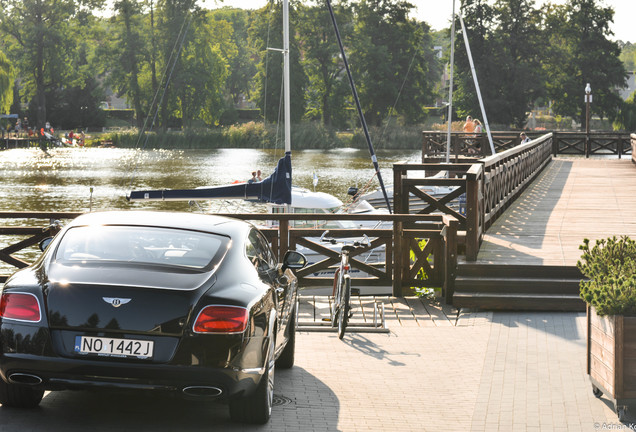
<point x="469" y="126"/>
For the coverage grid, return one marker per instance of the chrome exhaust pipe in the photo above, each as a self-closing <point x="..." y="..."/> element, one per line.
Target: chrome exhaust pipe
<point x="24" y="379"/>
<point x="202" y="391"/>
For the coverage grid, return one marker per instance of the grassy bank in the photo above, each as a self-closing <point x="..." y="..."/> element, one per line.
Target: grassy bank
<point x="307" y="135"/>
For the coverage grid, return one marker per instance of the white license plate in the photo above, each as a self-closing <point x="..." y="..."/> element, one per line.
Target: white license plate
<point x="113" y="347"/>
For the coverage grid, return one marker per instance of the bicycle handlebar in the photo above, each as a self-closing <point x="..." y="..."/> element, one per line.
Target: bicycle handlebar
<point x="355" y="243"/>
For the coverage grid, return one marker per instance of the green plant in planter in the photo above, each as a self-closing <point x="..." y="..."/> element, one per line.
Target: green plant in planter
<point x="611" y="268"/>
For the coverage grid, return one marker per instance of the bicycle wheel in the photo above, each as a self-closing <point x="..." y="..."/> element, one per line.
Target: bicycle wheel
<point x="335" y="306"/>
<point x="345" y="307"/>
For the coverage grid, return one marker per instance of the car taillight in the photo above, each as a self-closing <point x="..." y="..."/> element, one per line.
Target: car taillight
<point x="20" y="306"/>
<point x="221" y="319"/>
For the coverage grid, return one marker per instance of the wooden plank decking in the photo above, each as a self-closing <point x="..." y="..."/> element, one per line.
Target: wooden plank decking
<point x="572" y="199"/>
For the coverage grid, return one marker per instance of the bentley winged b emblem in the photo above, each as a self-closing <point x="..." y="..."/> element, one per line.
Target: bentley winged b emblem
<point x="115" y="301"/>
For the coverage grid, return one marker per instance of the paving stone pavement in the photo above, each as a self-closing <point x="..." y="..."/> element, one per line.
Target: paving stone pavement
<point x="489" y="372"/>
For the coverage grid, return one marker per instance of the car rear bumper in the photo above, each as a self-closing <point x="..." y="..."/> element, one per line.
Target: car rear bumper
<point x="56" y="373"/>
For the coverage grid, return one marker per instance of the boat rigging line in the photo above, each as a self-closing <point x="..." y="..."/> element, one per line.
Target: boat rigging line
<point x="450" y="87"/>
<point x="374" y="158"/>
<point x="472" y="69"/>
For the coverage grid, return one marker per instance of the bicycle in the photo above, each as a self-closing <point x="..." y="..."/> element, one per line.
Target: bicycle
<point x="341" y="308"/>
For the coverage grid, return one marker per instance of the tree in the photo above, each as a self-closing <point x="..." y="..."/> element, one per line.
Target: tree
<point x="173" y="33"/>
<point x="43" y="44"/>
<point x="479" y="22"/>
<point x="129" y="53"/>
<point x="242" y="67"/>
<point x="388" y="58"/>
<point x="517" y="54"/>
<point x="579" y="52"/>
<point x="628" y="56"/>
<point x="328" y="87"/>
<point x="200" y="85"/>
<point x="626" y="118"/>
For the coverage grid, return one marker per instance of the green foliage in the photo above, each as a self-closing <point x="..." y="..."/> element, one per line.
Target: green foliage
<point x="626" y="118"/>
<point x="43" y="46"/>
<point x="421" y="274"/>
<point x="505" y="46"/>
<point x="578" y="51"/>
<point x="306" y="135"/>
<point x="393" y="56"/>
<point x="6" y="84"/>
<point x="611" y="268"/>
<point x="628" y="56"/>
<point x="328" y="90"/>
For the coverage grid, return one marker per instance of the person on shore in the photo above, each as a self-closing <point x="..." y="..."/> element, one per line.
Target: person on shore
<point x="478" y="128"/>
<point x="524" y="138"/>
<point x="469" y="126"/>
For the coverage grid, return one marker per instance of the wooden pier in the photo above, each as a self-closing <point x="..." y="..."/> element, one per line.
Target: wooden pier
<point x="514" y="246"/>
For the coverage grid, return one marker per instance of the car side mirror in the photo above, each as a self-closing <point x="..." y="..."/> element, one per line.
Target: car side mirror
<point x="294" y="260"/>
<point x="44" y="243"/>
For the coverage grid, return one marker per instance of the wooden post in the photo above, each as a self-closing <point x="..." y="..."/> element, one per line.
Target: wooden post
<point x="450" y="259"/>
<point x="283" y="238"/>
<point x="473" y="210"/>
<point x="398" y="229"/>
<point x="398" y="244"/>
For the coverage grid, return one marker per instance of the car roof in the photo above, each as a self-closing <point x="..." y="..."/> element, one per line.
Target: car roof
<point x="180" y="220"/>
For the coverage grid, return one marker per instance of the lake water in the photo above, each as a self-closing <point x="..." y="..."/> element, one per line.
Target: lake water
<point x="62" y="180"/>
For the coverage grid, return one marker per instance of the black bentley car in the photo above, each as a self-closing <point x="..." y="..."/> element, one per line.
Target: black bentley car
<point x="189" y="303"/>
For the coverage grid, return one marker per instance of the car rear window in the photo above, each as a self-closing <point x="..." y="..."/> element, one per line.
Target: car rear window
<point x="141" y="245"/>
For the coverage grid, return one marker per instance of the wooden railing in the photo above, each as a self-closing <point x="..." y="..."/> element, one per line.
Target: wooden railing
<point x="410" y="243"/>
<point x="596" y="143"/>
<point x="413" y="243"/>
<point x="27" y="229"/>
<point x="11" y="143"/>
<point x="490" y="185"/>
<point x="465" y="145"/>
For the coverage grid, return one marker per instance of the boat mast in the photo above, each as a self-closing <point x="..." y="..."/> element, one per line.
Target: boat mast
<point x="287" y="92"/>
<point x="450" y="87"/>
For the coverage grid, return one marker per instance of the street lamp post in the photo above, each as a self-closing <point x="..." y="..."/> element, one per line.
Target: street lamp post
<point x="588" y="101"/>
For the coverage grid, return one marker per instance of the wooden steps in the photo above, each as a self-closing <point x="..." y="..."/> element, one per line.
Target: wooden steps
<point x="518" y="287"/>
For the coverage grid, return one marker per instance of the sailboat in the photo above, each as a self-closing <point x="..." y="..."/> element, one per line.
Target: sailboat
<point x="276" y="190"/>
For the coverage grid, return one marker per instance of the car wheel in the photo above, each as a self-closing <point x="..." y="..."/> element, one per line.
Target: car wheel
<point x="257" y="407"/>
<point x="19" y="396"/>
<point x="286" y="358"/>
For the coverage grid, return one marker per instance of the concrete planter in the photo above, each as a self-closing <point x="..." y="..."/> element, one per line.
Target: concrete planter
<point x="611" y="358"/>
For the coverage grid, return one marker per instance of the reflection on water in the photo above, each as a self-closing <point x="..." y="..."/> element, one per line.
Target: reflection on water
<point x="62" y="181"/>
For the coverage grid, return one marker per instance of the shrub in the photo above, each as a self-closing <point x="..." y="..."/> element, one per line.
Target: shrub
<point x="611" y="268"/>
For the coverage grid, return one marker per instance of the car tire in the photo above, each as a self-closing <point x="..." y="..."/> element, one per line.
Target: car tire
<point x="257" y="407"/>
<point x="19" y="396"/>
<point x="286" y="358"/>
